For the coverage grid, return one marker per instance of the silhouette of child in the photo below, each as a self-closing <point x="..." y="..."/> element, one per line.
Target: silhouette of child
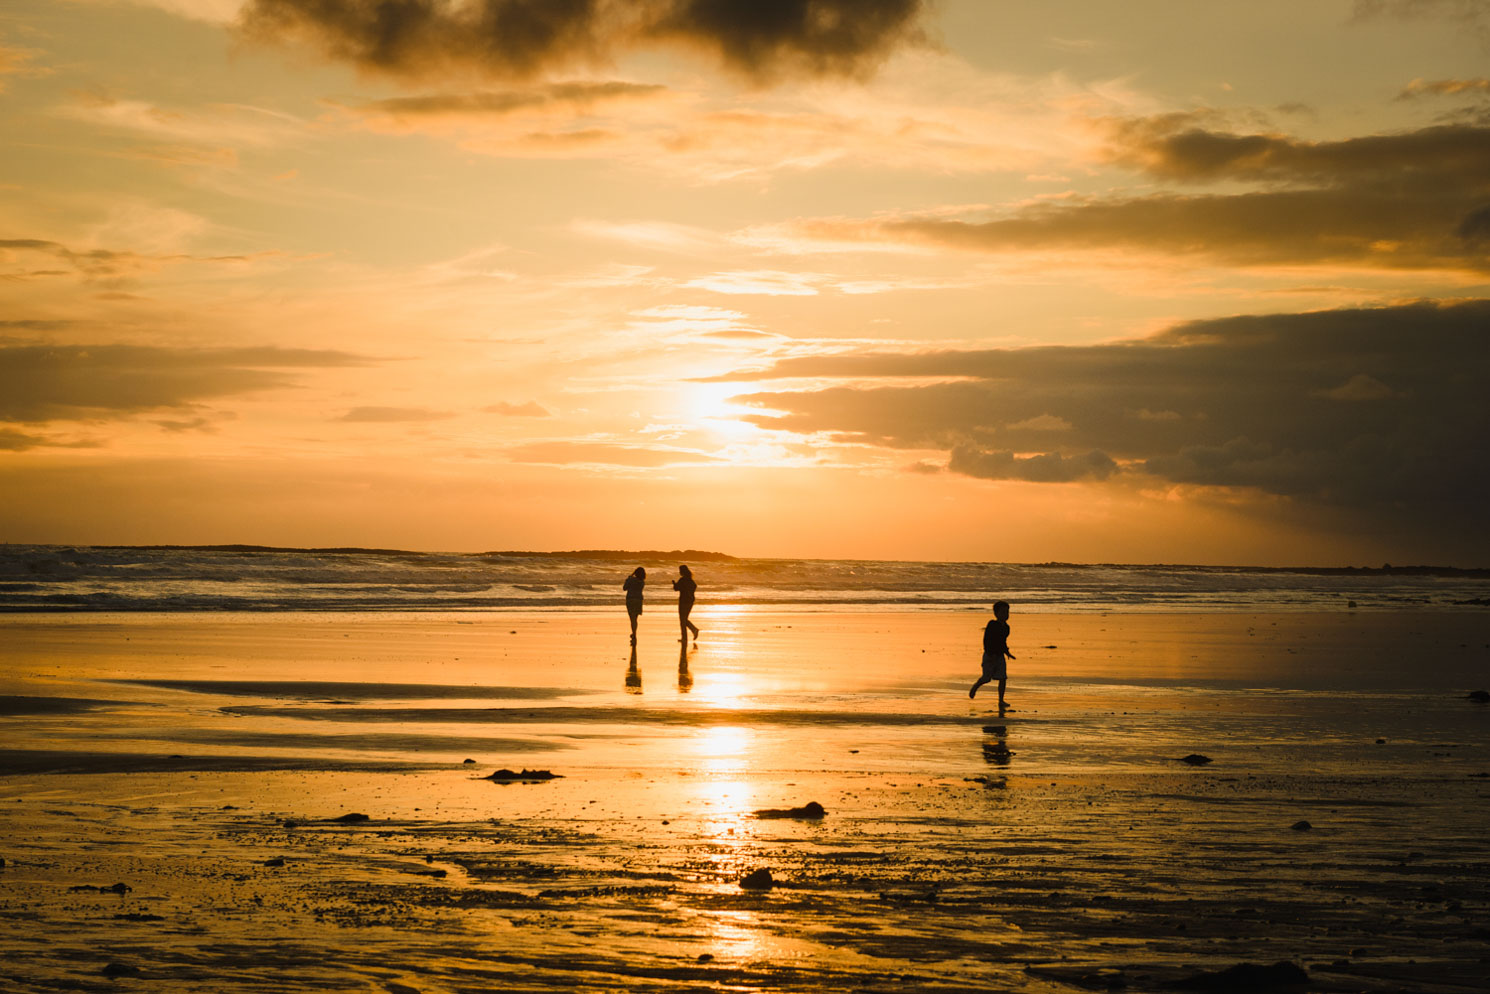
<point x="995" y="650"/>
<point x="686" y="587"/>
<point x="633" y="586"/>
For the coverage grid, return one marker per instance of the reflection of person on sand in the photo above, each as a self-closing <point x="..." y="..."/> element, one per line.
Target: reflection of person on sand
<point x="633" y="675"/>
<point x="685" y="585"/>
<point x="995" y="650"/>
<point x="685" y="679"/>
<point x="633" y="586"/>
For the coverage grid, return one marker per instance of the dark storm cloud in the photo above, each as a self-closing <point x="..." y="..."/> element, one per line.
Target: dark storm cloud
<point x="44" y="383"/>
<point x="1372" y="408"/>
<point x="522" y="38"/>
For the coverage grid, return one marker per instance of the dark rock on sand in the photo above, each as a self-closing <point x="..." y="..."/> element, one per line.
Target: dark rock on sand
<point x="758" y="880"/>
<point x="1381" y="742"/>
<point x="1481" y="696"/>
<point x="136" y="916"/>
<point x="276" y="861"/>
<point x="810" y="810"/>
<point x="288" y="823"/>
<point x="1245" y="978"/>
<point x="1301" y="826"/>
<point x="1195" y="759"/>
<point x="468" y="762"/>
<point x="120" y="970"/>
<point x="350" y="818"/>
<point x="525" y="776"/>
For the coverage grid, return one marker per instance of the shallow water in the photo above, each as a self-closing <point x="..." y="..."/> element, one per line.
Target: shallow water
<point x="1050" y="848"/>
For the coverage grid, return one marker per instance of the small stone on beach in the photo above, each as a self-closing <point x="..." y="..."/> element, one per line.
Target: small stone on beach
<point x="350" y="818"/>
<point x="1301" y="826"/>
<point x="524" y="776"/>
<point x="758" y="880"/>
<point x="120" y="970"/>
<point x="811" y="809"/>
<point x="276" y="861"/>
<point x="1195" y="759"/>
<point x="1480" y="696"/>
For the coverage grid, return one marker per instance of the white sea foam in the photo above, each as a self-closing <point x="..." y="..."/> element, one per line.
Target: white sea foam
<point x="62" y="578"/>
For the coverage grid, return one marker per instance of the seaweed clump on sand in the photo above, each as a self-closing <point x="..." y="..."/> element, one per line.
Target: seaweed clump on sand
<point x="522" y="776"/>
<point x="810" y="810"/>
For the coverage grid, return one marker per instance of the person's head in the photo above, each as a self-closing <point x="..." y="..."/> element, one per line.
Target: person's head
<point x="684" y="570"/>
<point x="639" y="573"/>
<point x="1001" y="610"/>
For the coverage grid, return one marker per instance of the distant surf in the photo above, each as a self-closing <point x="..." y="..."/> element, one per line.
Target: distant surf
<point x="40" y="578"/>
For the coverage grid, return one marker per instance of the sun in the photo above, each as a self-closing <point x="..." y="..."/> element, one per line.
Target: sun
<point x="709" y="408"/>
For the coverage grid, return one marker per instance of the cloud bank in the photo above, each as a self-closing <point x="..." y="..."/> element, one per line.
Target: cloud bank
<point x="427" y="39"/>
<point x="1381" y="410"/>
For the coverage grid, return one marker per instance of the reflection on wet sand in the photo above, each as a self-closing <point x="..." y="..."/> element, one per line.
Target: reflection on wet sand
<point x="685" y="678"/>
<point x="995" y="745"/>
<point x="633" y="675"/>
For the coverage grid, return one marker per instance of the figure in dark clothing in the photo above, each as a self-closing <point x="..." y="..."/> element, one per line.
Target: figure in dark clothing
<point x="633" y="586"/>
<point x="995" y="651"/>
<point x="685" y="586"/>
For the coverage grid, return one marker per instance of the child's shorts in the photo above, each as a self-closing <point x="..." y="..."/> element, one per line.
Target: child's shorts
<point x="995" y="666"/>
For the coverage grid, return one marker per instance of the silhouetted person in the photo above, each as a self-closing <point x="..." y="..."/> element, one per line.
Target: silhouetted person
<point x="633" y="586"/>
<point x="685" y="679"/>
<point x="633" y="675"/>
<point x="685" y="585"/>
<point x="995" y="651"/>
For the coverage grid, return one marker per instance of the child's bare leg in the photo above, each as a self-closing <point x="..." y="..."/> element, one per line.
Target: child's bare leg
<point x="1002" y="682"/>
<point x="981" y="681"/>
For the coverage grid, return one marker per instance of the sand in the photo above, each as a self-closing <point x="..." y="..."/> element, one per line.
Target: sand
<point x="201" y="760"/>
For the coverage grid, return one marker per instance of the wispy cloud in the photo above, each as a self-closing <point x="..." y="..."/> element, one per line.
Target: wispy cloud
<point x="69" y="382"/>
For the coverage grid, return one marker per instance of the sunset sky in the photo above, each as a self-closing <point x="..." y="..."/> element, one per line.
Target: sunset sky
<point x="967" y="279"/>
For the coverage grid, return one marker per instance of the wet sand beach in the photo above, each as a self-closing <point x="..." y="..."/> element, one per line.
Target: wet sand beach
<point x="203" y="762"/>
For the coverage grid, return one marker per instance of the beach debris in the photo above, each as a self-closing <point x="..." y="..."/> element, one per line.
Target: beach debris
<point x="112" y="969"/>
<point x="758" y="880"/>
<point x="350" y="818"/>
<point x="1479" y="696"/>
<point x="992" y="783"/>
<point x="810" y="810"/>
<point x="289" y="823"/>
<point x="524" y="776"/>
<point x="1244" y="977"/>
<point x="276" y="861"/>
<point x="1381" y="742"/>
<point x="1101" y="979"/>
<point x="1301" y="826"/>
<point x="1194" y="759"/>
<point x="705" y="958"/>
<point x="468" y="762"/>
<point x="120" y="888"/>
<point x="138" y="916"/>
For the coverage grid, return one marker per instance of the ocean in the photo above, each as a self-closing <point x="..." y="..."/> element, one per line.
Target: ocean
<point x="46" y="578"/>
